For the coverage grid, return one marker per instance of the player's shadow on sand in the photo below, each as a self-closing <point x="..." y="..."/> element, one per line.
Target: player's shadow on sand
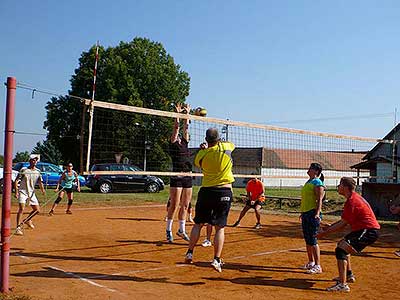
<point x="245" y="268"/>
<point x="103" y="258"/>
<point x="49" y="272"/>
<point x="293" y="283"/>
<point x="135" y="219"/>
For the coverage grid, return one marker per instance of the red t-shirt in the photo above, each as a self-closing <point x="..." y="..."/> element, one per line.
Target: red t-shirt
<point x="359" y="214"/>
<point x="255" y="187"/>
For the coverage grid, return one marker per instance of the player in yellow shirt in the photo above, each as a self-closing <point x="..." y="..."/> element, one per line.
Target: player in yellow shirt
<point x="215" y="195"/>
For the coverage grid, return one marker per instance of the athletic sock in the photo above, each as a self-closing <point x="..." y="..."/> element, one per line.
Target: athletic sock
<point x="169" y="224"/>
<point x="182" y="225"/>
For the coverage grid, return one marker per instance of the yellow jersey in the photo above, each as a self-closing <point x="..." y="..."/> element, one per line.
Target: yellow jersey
<point x="216" y="164"/>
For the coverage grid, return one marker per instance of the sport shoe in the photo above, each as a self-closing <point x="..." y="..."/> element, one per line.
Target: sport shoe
<point x="308" y="265"/>
<point x="190" y="219"/>
<point x="350" y="278"/>
<point x="236" y="224"/>
<point x="51" y="212"/>
<point x="30" y="225"/>
<point x="170" y="238"/>
<point x="315" y="270"/>
<point x="217" y="265"/>
<point x="68" y="212"/>
<point x="206" y="243"/>
<point x="339" y="287"/>
<point x="397" y="252"/>
<point x="18" y="231"/>
<point x="188" y="258"/>
<point x="257" y="226"/>
<point x="183" y="235"/>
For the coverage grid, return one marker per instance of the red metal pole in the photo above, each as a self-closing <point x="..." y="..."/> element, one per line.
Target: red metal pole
<point x="7" y="182"/>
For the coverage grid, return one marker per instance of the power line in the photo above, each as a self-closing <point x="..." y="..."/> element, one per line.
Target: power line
<point x="389" y="114"/>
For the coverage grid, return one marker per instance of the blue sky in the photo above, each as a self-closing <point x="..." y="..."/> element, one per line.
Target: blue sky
<point x="270" y="62"/>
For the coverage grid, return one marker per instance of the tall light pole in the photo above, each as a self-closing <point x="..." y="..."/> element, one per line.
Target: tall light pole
<point x="146" y="147"/>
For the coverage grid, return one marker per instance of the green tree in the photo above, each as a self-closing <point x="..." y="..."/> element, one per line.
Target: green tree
<point x="48" y="152"/>
<point x="139" y="73"/>
<point x="21" y="156"/>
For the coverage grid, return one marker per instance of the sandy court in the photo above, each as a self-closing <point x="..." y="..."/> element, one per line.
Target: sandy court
<point x="120" y="253"/>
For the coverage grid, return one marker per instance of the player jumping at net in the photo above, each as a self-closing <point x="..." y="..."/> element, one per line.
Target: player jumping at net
<point x="255" y="200"/>
<point x="364" y="231"/>
<point x="215" y="195"/>
<point x="180" y="186"/>
<point x="312" y="195"/>
<point x="66" y="181"/>
<point x="25" y="191"/>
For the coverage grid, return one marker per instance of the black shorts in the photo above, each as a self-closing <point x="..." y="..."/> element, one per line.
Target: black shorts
<point x="181" y="181"/>
<point x="69" y="190"/>
<point x="362" y="238"/>
<point x="213" y="205"/>
<point x="255" y="203"/>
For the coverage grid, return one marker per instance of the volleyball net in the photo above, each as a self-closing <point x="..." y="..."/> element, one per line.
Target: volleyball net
<point x="280" y="156"/>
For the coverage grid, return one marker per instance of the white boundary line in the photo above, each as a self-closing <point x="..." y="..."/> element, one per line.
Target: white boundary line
<point x="120" y="207"/>
<point x="82" y="278"/>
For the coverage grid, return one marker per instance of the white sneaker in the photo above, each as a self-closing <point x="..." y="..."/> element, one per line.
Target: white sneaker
<point x="315" y="270"/>
<point x="206" y="243"/>
<point x="257" y="226"/>
<point x="188" y="258"/>
<point x="308" y="265"/>
<point x="339" y="287"/>
<point x="30" y="225"/>
<point x="183" y="235"/>
<point x="350" y="279"/>
<point x="397" y="253"/>
<point x="217" y="265"/>
<point x="18" y="231"/>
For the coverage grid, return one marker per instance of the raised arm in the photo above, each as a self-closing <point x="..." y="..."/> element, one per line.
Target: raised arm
<point x="175" y="131"/>
<point x="186" y="123"/>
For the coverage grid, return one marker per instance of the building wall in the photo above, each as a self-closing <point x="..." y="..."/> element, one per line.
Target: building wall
<point x="295" y="182"/>
<point x="380" y="196"/>
<point x="384" y="170"/>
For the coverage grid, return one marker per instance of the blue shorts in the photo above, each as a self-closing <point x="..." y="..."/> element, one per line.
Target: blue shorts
<point x="310" y="227"/>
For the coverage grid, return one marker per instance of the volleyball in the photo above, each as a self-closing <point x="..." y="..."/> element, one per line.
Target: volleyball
<point x="200" y="111"/>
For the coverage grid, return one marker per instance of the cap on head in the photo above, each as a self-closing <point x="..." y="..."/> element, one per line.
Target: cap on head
<point x="212" y="135"/>
<point x="33" y="157"/>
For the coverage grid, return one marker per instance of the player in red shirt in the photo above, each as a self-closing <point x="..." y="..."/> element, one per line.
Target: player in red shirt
<point x="364" y="231"/>
<point x="255" y="199"/>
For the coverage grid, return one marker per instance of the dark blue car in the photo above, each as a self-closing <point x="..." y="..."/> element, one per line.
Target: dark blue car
<point x="50" y="173"/>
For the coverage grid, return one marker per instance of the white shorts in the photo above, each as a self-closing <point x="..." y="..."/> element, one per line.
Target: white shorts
<point x="23" y="196"/>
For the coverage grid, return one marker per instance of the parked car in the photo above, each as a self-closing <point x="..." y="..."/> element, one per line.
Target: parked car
<point x="50" y="173"/>
<point x="14" y="175"/>
<point x="122" y="182"/>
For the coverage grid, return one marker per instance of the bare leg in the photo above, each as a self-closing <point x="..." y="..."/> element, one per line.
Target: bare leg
<point x="70" y="197"/>
<point x="342" y="266"/>
<point x="219" y="239"/>
<point x="316" y="254"/>
<point x="209" y="231"/>
<point x="186" y="197"/>
<point x="21" y="208"/>
<point x="194" y="235"/>
<point x="257" y="212"/>
<point x="243" y="213"/>
<point x="310" y="253"/>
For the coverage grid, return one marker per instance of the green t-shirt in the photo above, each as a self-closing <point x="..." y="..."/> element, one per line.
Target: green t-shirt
<point x="308" y="199"/>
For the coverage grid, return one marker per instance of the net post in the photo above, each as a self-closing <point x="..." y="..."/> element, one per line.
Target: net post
<point x="7" y="182"/>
